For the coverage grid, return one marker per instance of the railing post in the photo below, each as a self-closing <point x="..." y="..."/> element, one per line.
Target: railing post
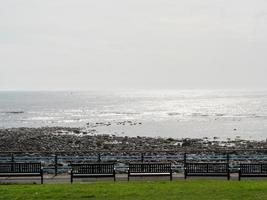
<point x="99" y="158"/>
<point x="142" y="157"/>
<point x="185" y="170"/>
<point x="12" y="162"/>
<point x="56" y="164"/>
<point x="12" y="157"/>
<point x="228" y="166"/>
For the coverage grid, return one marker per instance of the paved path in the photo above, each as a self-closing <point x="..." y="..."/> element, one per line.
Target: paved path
<point x="65" y="178"/>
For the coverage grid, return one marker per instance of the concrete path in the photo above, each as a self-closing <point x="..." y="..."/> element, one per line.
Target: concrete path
<point x="65" y="178"/>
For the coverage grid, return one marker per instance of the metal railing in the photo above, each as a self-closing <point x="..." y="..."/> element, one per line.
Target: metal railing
<point x="58" y="162"/>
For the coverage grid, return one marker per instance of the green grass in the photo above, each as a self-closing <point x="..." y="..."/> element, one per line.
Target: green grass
<point x="156" y="190"/>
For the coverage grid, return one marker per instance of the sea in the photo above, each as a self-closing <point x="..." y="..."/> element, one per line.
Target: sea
<point x="214" y="114"/>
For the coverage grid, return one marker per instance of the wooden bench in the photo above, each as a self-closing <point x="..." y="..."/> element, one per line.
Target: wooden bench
<point x="92" y="170"/>
<point x="207" y="169"/>
<point x="150" y="169"/>
<point x="14" y="169"/>
<point x="252" y="170"/>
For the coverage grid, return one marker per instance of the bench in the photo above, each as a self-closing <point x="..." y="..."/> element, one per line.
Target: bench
<point x="207" y="169"/>
<point x="92" y="170"/>
<point x="150" y="169"/>
<point x="14" y="169"/>
<point x="252" y="170"/>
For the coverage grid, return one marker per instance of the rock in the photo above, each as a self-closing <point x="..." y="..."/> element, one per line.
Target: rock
<point x="62" y="139"/>
<point x="76" y="131"/>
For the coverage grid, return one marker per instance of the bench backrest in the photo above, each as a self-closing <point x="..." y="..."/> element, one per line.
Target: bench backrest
<point x="20" y="167"/>
<point x="206" y="167"/>
<point x="93" y="168"/>
<point x="149" y="167"/>
<point x="259" y="168"/>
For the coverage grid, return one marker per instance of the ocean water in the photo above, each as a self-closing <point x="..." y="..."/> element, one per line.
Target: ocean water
<point x="175" y="113"/>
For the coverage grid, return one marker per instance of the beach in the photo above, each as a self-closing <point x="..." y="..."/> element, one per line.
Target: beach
<point x="60" y="139"/>
<point x="175" y="120"/>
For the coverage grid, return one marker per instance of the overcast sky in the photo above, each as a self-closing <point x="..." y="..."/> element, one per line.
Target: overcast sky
<point x="135" y="44"/>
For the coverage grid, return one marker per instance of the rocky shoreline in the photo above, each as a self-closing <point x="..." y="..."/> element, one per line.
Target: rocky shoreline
<point x="64" y="139"/>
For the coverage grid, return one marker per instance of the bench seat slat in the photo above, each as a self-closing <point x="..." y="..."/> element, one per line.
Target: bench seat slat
<point x="93" y="170"/>
<point x="19" y="169"/>
<point x="207" y="169"/>
<point x="150" y="169"/>
<point x="252" y="170"/>
<point x="18" y="174"/>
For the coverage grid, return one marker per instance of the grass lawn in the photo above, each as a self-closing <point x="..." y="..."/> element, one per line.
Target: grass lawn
<point x="190" y="189"/>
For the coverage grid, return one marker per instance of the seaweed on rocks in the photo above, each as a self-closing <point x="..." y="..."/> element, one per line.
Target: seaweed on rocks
<point x="64" y="139"/>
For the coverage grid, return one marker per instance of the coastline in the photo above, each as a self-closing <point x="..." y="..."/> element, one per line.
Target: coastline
<point x="66" y="139"/>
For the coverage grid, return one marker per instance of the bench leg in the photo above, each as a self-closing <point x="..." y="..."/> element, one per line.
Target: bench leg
<point x="171" y="176"/>
<point x="239" y="175"/>
<point x="42" y="177"/>
<point x="71" y="178"/>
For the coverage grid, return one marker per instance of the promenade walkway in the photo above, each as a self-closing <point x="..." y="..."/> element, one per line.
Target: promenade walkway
<point x="65" y="178"/>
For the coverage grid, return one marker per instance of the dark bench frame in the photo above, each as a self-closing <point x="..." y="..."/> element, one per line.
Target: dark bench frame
<point x="252" y="170"/>
<point x="150" y="169"/>
<point x="207" y="169"/>
<point x="92" y="170"/>
<point x="19" y="169"/>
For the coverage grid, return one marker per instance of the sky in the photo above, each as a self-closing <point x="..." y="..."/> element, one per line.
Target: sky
<point x="132" y="44"/>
